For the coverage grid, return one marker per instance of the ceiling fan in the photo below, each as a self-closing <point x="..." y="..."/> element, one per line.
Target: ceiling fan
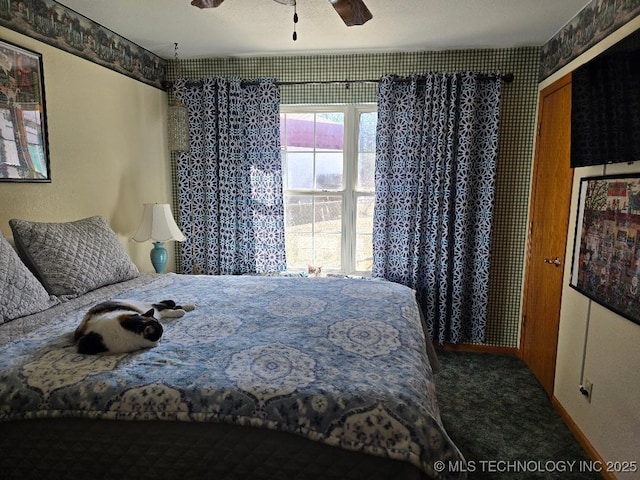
<point x="352" y="12"/>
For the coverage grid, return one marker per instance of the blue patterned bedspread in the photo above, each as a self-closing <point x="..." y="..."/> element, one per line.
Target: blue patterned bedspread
<point x="340" y="361"/>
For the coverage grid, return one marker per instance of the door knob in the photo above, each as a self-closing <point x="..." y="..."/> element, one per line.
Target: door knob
<point x="556" y="261"/>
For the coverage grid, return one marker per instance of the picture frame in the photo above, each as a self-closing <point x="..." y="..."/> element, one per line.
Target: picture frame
<point x="606" y="253"/>
<point x="24" y="147"/>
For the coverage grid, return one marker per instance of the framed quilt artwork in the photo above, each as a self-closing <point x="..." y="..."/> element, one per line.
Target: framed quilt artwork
<point x="606" y="256"/>
<point x="24" y="152"/>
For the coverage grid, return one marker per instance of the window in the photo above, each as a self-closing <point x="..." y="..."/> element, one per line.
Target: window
<point x="328" y="158"/>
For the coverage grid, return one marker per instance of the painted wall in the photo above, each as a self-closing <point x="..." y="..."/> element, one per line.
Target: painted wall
<point x="107" y="146"/>
<point x="606" y="345"/>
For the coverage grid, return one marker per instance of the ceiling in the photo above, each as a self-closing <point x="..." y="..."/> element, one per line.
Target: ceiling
<point x="265" y="27"/>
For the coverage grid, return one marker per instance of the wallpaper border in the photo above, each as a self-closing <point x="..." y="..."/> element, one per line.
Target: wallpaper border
<point x="64" y="28"/>
<point x="592" y="24"/>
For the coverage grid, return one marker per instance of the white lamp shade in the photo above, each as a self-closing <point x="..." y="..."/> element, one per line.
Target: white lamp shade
<point x="157" y="224"/>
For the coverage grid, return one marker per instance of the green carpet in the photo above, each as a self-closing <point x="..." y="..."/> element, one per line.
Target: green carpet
<point x="501" y="419"/>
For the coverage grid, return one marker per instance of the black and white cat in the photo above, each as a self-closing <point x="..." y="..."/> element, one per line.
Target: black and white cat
<point x="119" y="326"/>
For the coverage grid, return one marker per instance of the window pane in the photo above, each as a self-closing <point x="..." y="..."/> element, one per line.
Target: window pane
<point x="299" y="170"/>
<point x="364" y="233"/>
<point x="298" y="212"/>
<point x="330" y="131"/>
<point x="328" y="232"/>
<point x="299" y="230"/>
<point x="313" y="232"/>
<point x="328" y="251"/>
<point x="367" y="151"/>
<point x="366" y="172"/>
<point x="328" y="214"/>
<point x="329" y="171"/>
<point x="298" y="130"/>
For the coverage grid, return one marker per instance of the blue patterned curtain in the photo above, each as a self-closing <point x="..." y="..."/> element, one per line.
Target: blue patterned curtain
<point x="230" y="183"/>
<point x="436" y="154"/>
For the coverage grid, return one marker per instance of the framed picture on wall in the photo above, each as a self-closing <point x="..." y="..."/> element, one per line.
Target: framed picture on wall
<point x="606" y="256"/>
<point x="24" y="151"/>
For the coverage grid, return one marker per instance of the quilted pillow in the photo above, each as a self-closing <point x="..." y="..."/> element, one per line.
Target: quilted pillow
<point x="72" y="258"/>
<point x="20" y="292"/>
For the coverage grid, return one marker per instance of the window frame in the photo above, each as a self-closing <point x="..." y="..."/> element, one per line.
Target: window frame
<point x="349" y="193"/>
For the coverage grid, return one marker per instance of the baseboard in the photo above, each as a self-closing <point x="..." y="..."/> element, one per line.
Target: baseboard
<point x="581" y="438"/>
<point x="478" y="348"/>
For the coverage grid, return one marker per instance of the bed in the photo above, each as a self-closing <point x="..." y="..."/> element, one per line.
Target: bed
<point x="268" y="378"/>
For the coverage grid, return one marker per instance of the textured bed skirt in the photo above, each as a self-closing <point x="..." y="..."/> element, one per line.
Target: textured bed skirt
<point x="111" y="449"/>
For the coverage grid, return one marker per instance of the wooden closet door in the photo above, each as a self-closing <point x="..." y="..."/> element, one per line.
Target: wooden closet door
<point x="547" y="236"/>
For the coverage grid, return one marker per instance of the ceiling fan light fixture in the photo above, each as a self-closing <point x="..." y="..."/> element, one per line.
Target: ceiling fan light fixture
<point x="206" y="3"/>
<point x="295" y="20"/>
<point x="352" y="12"/>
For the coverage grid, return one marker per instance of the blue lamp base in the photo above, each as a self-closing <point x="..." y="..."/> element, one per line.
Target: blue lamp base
<point x="159" y="257"/>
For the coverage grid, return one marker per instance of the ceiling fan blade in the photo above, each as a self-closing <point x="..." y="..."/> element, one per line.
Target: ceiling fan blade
<point x="353" y="12"/>
<point x="206" y="3"/>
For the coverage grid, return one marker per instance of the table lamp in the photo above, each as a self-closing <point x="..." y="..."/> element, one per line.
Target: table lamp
<point x="159" y="226"/>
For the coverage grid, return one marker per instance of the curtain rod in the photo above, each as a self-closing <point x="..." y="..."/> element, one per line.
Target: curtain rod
<point x="507" y="78"/>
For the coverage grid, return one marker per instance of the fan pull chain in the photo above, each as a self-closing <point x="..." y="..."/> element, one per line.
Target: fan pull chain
<point x="295" y="21"/>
